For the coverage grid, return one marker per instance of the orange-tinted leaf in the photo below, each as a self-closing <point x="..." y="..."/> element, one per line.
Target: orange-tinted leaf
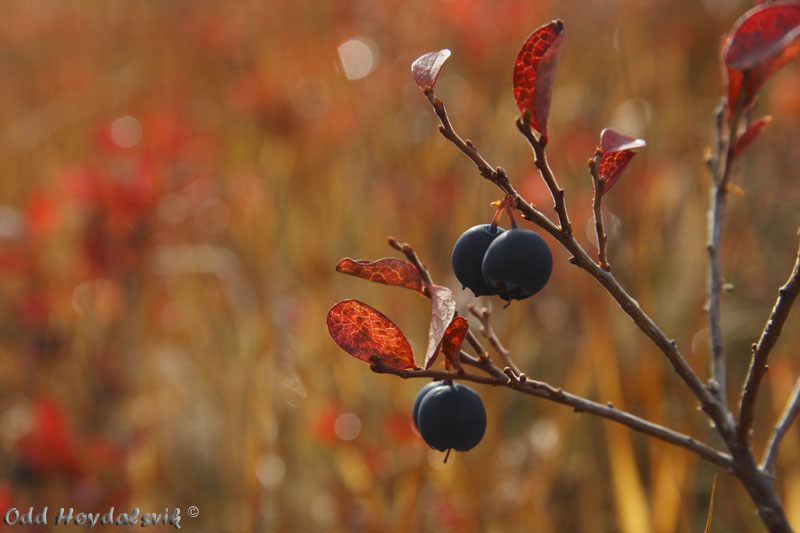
<point x="751" y="133"/>
<point x="443" y="309"/>
<point x="363" y="331"/>
<point x="534" y="72"/>
<point x="426" y="68"/>
<point x="451" y="342"/>
<point x="389" y="270"/>
<point x="762" y="41"/>
<point x="761" y="34"/>
<point x="617" y="152"/>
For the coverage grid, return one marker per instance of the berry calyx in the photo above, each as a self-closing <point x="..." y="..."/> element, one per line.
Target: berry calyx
<point x="517" y="264"/>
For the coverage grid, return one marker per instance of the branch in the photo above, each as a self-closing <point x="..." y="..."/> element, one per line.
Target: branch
<point x="790" y="412"/>
<point x="579" y="404"/>
<point x="758" y="365"/>
<point x="486" y="330"/>
<point x="718" y="413"/>
<point x="598" y="187"/>
<point x="524" y="126"/>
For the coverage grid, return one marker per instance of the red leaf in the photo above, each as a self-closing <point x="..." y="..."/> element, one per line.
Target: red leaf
<point x="762" y="41"/>
<point x="534" y="71"/>
<point x="363" y="331"/>
<point x="443" y="309"/>
<point x="617" y="153"/>
<point x="751" y="134"/>
<point x="426" y="68"/>
<point x="389" y="270"/>
<point x="453" y="337"/>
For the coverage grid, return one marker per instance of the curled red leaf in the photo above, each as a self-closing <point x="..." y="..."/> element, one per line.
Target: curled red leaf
<point x="389" y="271"/>
<point x="452" y="340"/>
<point x="364" y="332"/>
<point x="443" y="309"/>
<point x="750" y="134"/>
<point x="763" y="40"/>
<point x="534" y="72"/>
<point x="617" y="151"/>
<point x="426" y="67"/>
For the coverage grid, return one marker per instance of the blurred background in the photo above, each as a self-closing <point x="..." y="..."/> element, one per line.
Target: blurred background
<point x="180" y="178"/>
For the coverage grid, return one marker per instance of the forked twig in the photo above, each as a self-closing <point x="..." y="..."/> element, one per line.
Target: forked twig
<point x="486" y="330"/>
<point x="709" y="403"/>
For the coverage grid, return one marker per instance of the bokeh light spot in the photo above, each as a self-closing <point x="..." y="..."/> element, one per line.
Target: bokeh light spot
<point x="126" y="132"/>
<point x="357" y="58"/>
<point x="347" y="426"/>
<point x="270" y="470"/>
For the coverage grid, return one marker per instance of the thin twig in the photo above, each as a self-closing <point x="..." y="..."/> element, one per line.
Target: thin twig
<point x="790" y="412"/>
<point x="486" y="330"/>
<point x="598" y="187"/>
<point x="540" y="160"/>
<point x="721" y="174"/>
<point x="758" y="365"/>
<point x="709" y="403"/>
<point x="579" y="404"/>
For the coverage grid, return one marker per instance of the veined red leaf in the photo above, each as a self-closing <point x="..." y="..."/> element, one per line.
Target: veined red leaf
<point x="363" y="332"/>
<point x="451" y="342"/>
<point x="618" y="150"/>
<point x="426" y="67"/>
<point x="534" y="72"/>
<point x="750" y="134"/>
<point x="389" y="270"/>
<point x="763" y="40"/>
<point x="443" y="309"/>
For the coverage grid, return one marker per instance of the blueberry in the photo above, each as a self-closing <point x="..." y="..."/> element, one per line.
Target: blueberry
<point x="452" y="416"/>
<point x="420" y="395"/>
<point x="468" y="256"/>
<point x="517" y="264"/>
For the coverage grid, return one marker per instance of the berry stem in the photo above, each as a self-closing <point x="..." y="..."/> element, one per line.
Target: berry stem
<point x="507" y="201"/>
<point x="496" y="217"/>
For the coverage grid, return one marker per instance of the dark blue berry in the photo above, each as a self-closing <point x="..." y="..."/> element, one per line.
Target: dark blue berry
<point x="452" y="416"/>
<point x="420" y="395"/>
<point x="517" y="264"/>
<point x="468" y="256"/>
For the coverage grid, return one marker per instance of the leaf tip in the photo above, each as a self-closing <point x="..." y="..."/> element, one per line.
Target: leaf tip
<point x="426" y="68"/>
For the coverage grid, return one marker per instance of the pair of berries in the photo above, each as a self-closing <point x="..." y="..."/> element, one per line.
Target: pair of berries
<point x="513" y="264"/>
<point x="449" y="416"/>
